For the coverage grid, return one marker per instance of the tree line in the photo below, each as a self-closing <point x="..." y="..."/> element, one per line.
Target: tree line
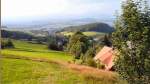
<point x="84" y="48"/>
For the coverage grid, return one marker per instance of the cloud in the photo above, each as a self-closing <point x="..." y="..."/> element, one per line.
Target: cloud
<point x="12" y="9"/>
<point x="15" y="8"/>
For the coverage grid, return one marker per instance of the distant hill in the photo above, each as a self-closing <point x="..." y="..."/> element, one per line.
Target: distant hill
<point x="15" y="34"/>
<point x="49" y="23"/>
<point x="94" y="27"/>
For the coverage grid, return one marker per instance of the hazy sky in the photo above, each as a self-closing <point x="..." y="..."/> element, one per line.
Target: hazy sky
<point x="32" y="9"/>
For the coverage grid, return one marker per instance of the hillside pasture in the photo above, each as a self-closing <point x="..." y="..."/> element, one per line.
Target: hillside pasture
<point x="23" y="48"/>
<point x="88" y="33"/>
<point x="34" y="64"/>
<point x="20" y="71"/>
<point x="30" y="72"/>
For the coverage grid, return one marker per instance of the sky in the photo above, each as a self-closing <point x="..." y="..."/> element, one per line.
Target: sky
<point x="19" y="10"/>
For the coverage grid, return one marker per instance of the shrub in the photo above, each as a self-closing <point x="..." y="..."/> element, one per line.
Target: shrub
<point x="52" y="46"/>
<point x="7" y="44"/>
<point x="100" y="65"/>
<point x="91" y="62"/>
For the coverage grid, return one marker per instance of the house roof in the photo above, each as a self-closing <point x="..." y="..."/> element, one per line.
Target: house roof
<point x="106" y="57"/>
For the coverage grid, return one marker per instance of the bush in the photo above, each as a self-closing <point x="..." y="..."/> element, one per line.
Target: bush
<point x="55" y="43"/>
<point x="100" y="66"/>
<point x="53" y="46"/>
<point x="91" y="62"/>
<point x="7" y="44"/>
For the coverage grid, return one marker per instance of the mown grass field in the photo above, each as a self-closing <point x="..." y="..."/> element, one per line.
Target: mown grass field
<point x="30" y="71"/>
<point x="85" y="33"/>
<point x="23" y="48"/>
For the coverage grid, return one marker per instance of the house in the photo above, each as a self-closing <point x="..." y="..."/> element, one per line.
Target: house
<point x="106" y="56"/>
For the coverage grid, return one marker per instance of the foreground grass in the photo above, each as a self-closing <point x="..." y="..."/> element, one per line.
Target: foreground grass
<point x="18" y="71"/>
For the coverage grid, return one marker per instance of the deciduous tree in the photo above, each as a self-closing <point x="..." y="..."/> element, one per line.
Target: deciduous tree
<point x="132" y="41"/>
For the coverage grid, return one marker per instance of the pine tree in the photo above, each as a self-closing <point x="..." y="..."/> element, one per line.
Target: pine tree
<point x="107" y="41"/>
<point x="132" y="41"/>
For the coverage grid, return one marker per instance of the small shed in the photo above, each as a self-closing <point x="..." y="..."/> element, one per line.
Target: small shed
<point x="106" y="56"/>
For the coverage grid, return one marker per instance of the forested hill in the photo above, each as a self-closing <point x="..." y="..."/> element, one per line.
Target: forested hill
<point x="96" y="27"/>
<point x="15" y="34"/>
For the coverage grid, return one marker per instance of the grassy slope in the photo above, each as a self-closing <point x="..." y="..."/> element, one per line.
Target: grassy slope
<point x="36" y="50"/>
<point x="85" y="33"/>
<point x="19" y="71"/>
<point x="30" y="72"/>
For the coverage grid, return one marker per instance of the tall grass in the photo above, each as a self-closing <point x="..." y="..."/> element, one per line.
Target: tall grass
<point x="17" y="71"/>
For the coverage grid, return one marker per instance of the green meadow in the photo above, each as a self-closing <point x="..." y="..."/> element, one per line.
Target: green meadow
<point x="27" y="49"/>
<point x="18" y="70"/>
<point x="90" y="33"/>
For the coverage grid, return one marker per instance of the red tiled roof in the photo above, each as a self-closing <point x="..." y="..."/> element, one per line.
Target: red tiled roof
<point x="106" y="57"/>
